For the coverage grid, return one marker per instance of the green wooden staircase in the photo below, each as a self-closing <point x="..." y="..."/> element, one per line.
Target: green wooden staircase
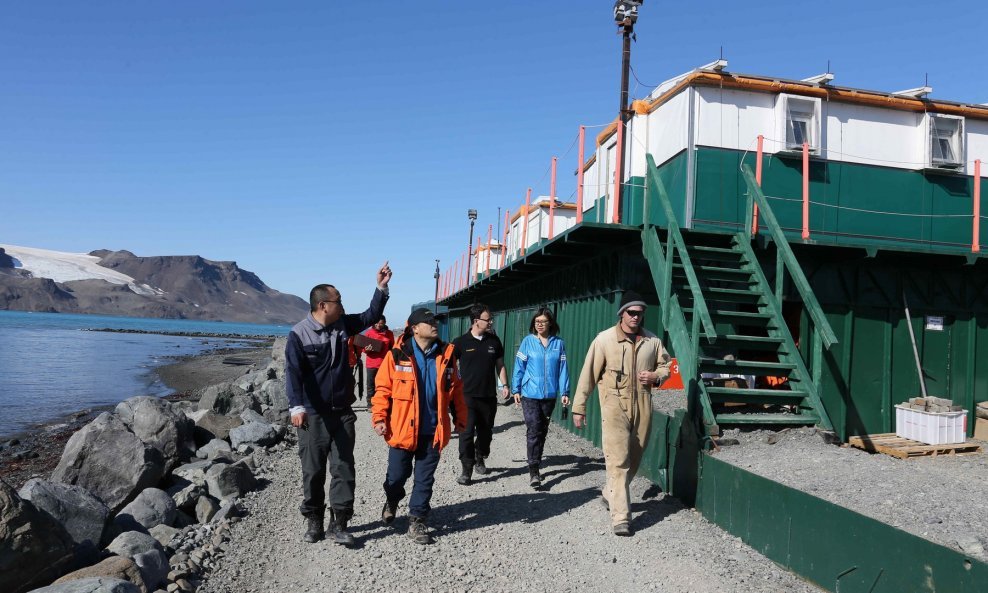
<point x="723" y="317"/>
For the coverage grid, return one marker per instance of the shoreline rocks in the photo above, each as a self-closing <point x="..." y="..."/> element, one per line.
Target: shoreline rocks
<point x="128" y="476"/>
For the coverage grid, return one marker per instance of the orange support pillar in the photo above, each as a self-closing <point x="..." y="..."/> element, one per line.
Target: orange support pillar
<point x="504" y="237"/>
<point x="579" y="176"/>
<point x="524" y="221"/>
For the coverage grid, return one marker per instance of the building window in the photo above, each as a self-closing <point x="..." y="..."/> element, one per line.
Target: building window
<point x="800" y="119"/>
<point x="946" y="141"/>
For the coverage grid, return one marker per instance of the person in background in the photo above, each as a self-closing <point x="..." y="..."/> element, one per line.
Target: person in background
<point x="540" y="376"/>
<point x="481" y="358"/>
<point x="624" y="363"/>
<point x="380" y="332"/>
<point x="417" y="389"/>
<point x="319" y="385"/>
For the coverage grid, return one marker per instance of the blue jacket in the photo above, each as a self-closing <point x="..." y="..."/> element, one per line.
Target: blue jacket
<point x="540" y="371"/>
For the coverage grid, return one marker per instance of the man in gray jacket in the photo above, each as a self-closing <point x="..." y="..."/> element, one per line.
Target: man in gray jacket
<point x="320" y="393"/>
<point x="624" y="363"/>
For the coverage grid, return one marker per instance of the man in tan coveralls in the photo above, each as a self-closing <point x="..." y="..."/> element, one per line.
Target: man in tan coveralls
<point x="624" y="363"/>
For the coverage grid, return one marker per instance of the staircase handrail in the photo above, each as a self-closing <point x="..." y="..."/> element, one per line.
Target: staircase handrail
<point x="785" y="255"/>
<point x="675" y="240"/>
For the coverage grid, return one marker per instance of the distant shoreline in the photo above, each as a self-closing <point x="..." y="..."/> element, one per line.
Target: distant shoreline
<point x="246" y="337"/>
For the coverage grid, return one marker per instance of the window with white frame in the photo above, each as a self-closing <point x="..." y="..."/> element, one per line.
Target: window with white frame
<point x="800" y="120"/>
<point x="946" y="138"/>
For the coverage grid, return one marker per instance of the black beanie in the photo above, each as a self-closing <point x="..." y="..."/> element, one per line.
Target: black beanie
<point x="631" y="298"/>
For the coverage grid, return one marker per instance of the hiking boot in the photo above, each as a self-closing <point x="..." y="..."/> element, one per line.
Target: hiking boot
<point x="313" y="530"/>
<point x="418" y="532"/>
<point x="338" y="533"/>
<point x="622" y="529"/>
<point x="480" y="467"/>
<point x="389" y="511"/>
<point x="466" y="478"/>
<point x="535" y="479"/>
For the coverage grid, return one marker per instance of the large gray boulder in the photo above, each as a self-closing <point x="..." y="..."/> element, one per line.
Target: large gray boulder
<point x="160" y="424"/>
<point x="81" y="514"/>
<point x="132" y="543"/>
<point x="153" y="565"/>
<point x="239" y="403"/>
<point x="230" y="481"/>
<point x="206" y="507"/>
<point x="274" y="394"/>
<point x="214" y="449"/>
<point x="109" y="461"/>
<point x="92" y="585"/>
<point x="185" y="495"/>
<point x="192" y="473"/>
<point x="151" y="507"/>
<point x="215" y="426"/>
<point x="254" y="433"/>
<point x="219" y="397"/>
<point x="114" y="567"/>
<point x="278" y="351"/>
<point x="34" y="548"/>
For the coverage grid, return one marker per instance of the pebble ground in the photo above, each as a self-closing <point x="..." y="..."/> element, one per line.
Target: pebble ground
<point x="495" y="535"/>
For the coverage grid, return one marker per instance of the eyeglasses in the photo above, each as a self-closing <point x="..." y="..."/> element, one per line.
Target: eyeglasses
<point x="541" y="323"/>
<point x="488" y="320"/>
<point x="635" y="313"/>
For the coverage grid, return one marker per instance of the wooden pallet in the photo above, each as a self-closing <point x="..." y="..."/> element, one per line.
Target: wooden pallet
<point x="896" y="446"/>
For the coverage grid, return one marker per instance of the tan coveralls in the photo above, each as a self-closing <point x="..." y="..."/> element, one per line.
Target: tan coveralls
<point x="612" y="365"/>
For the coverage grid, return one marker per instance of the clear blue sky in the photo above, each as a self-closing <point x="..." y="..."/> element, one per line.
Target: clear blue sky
<point x="311" y="141"/>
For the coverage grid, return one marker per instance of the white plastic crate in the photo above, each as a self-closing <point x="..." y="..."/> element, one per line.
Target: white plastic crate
<point x="932" y="428"/>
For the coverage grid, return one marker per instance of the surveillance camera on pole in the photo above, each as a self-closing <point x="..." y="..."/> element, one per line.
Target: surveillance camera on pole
<point x="625" y="15"/>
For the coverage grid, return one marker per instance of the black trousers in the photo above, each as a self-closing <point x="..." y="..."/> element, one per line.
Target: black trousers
<point x="328" y="438"/>
<point x="475" y="441"/>
<point x="371" y="377"/>
<point x="537" y="413"/>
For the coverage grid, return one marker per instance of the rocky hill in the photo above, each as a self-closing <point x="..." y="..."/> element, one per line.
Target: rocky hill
<point x="121" y="283"/>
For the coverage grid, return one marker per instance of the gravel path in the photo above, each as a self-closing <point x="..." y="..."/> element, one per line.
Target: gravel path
<point x="496" y="535"/>
<point x="943" y="499"/>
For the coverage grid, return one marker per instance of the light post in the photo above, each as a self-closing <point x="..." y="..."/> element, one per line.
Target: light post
<point x="435" y="301"/>
<point x="472" y="215"/>
<point x="625" y="15"/>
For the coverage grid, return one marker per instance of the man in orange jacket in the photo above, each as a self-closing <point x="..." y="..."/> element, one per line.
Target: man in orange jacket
<point x="415" y="386"/>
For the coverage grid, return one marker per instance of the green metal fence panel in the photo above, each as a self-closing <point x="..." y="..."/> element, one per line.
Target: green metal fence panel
<point x="836" y="548"/>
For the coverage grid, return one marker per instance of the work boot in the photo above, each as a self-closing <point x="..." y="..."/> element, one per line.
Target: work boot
<point x="480" y="467"/>
<point x="418" y="532"/>
<point x="534" y="478"/>
<point x="622" y="529"/>
<point x="337" y="529"/>
<point x="389" y="511"/>
<point x="466" y="478"/>
<point x="313" y="530"/>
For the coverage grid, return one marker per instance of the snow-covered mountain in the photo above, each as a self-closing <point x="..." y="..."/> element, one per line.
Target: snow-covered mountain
<point x="121" y="283"/>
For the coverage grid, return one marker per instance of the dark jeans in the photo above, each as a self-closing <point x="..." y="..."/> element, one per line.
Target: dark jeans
<point x="537" y="413"/>
<point x="371" y="376"/>
<point x="475" y="441"/>
<point x="426" y="458"/>
<point x="327" y="436"/>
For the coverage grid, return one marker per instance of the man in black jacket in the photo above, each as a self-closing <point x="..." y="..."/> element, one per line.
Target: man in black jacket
<point x="319" y="386"/>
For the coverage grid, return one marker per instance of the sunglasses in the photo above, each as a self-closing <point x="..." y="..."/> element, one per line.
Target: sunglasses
<point x="636" y="313"/>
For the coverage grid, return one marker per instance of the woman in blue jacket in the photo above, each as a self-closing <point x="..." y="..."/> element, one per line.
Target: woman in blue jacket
<point x="540" y="376"/>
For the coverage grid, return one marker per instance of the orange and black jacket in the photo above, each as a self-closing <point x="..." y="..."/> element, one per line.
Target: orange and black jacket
<point x="396" y="399"/>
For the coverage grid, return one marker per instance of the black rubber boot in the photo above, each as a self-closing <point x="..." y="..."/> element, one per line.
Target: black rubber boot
<point x="313" y="530"/>
<point x="466" y="478"/>
<point x="479" y="466"/>
<point x="389" y="511"/>
<point x="534" y="477"/>
<point x="338" y="533"/>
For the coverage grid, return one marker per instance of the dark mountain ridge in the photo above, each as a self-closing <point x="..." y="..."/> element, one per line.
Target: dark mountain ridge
<point x="173" y="287"/>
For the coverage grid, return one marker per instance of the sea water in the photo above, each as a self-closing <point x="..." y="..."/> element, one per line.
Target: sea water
<point x="51" y="366"/>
